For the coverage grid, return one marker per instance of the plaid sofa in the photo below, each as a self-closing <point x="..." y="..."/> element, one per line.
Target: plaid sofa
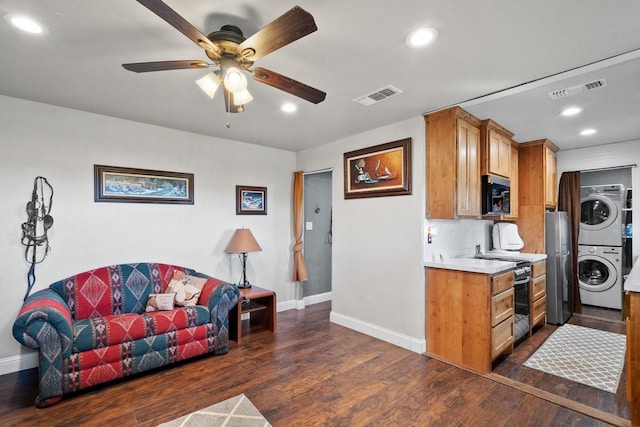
<point x="92" y="328"/>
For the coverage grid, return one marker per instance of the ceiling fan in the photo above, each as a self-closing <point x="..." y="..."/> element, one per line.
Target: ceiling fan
<point x="232" y="53"/>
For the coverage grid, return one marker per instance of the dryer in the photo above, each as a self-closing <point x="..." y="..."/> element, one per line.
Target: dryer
<point x="601" y="215"/>
<point x="600" y="275"/>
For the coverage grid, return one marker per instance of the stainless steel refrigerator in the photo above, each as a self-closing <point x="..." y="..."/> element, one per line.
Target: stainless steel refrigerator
<point x="559" y="271"/>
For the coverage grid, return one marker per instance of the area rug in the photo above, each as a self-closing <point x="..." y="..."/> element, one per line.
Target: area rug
<point x="584" y="355"/>
<point x="235" y="412"/>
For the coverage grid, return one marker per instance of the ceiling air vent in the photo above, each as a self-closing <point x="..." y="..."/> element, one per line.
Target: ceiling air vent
<point x="377" y="96"/>
<point x="576" y="90"/>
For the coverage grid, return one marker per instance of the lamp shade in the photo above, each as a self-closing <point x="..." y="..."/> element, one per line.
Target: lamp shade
<point x="242" y="241"/>
<point x="209" y="84"/>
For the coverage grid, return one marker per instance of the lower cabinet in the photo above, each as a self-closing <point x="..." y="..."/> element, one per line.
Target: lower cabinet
<point x="469" y="316"/>
<point x="538" y="295"/>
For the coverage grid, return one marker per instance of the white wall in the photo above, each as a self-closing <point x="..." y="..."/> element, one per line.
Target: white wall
<point x="377" y="272"/>
<point x="63" y="145"/>
<point x="607" y="156"/>
<point x="456" y="238"/>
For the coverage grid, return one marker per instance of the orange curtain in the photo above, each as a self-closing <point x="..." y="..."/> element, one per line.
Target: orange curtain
<point x="569" y="201"/>
<point x="299" y="266"/>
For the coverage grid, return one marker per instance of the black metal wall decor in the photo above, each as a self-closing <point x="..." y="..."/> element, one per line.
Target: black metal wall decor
<point x="34" y="230"/>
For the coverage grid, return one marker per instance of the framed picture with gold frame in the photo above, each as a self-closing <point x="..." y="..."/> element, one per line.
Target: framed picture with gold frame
<point x="380" y="170"/>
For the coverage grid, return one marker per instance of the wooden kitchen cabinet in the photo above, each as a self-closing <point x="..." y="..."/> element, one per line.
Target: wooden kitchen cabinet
<point x="469" y="319"/>
<point x="453" y="165"/>
<point x="538" y="295"/>
<point x="551" y="182"/>
<point x="537" y="184"/>
<point x="495" y="147"/>
<point x="513" y="178"/>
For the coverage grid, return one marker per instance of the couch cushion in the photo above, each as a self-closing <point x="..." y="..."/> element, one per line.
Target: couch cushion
<point x="160" y="302"/>
<point x="159" y="322"/>
<point x="122" y="288"/>
<point x="186" y="288"/>
<point x="98" y="332"/>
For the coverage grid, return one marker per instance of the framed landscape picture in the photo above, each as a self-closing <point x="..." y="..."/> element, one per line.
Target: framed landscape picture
<point x="251" y="200"/>
<point x="381" y="170"/>
<point x="129" y="185"/>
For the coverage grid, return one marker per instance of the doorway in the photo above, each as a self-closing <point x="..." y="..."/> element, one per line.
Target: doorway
<point x="317" y="236"/>
<point x="617" y="238"/>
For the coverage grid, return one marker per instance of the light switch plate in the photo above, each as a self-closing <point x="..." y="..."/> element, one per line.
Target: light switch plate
<point x="309" y="225"/>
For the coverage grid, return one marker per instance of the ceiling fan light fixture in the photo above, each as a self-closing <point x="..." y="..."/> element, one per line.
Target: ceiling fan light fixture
<point x="209" y="84"/>
<point x="242" y="97"/>
<point x="234" y="80"/>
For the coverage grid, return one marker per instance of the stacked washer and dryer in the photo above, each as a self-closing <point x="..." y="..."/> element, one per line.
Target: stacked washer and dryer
<point x="600" y="245"/>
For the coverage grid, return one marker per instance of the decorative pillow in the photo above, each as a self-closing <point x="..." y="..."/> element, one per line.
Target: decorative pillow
<point x="160" y="302"/>
<point x="186" y="288"/>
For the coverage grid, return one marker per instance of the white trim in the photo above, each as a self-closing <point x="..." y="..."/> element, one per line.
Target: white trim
<point x="316" y="299"/>
<point x="302" y="303"/>
<point x="18" y="363"/>
<point x="330" y="169"/>
<point x="414" y="344"/>
<point x="286" y="305"/>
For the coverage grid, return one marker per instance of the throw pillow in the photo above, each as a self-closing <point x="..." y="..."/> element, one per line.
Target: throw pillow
<point x="160" y="302"/>
<point x="186" y="289"/>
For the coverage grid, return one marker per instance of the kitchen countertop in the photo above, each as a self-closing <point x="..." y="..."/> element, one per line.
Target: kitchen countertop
<point x="510" y="256"/>
<point x="633" y="280"/>
<point x="473" y="265"/>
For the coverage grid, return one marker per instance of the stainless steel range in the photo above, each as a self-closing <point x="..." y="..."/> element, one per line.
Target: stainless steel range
<point x="521" y="322"/>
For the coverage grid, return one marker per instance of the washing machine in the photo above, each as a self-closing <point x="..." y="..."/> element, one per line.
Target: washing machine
<point x="600" y="275"/>
<point x="601" y="215"/>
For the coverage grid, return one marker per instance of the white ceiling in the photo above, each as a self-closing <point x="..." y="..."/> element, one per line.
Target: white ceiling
<point x="484" y="47"/>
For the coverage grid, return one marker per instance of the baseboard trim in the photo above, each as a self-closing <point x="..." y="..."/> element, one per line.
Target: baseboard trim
<point x="302" y="303"/>
<point x="317" y="299"/>
<point x="18" y="363"/>
<point x="387" y="335"/>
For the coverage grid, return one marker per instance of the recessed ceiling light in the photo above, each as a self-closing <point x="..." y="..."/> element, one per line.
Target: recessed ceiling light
<point x="289" y="107"/>
<point x="421" y="37"/>
<point x="24" y="23"/>
<point x="588" y="132"/>
<point x="571" y="111"/>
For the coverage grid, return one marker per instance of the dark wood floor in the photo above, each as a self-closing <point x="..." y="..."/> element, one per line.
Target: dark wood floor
<point x="591" y="317"/>
<point x="310" y="372"/>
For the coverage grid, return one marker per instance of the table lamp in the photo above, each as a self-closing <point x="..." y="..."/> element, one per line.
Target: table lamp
<point x="243" y="242"/>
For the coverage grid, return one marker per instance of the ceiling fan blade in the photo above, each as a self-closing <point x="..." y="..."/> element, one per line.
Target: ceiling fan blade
<point x="294" y="24"/>
<point x="288" y="85"/>
<point x="180" y="24"/>
<point x="143" y="67"/>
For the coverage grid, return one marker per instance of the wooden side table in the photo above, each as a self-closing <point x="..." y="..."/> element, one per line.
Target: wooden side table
<point x="260" y="303"/>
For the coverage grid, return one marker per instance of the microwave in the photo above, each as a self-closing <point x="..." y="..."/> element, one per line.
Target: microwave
<point x="496" y="193"/>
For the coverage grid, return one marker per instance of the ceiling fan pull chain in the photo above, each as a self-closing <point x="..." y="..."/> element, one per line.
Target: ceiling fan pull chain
<point x="229" y="112"/>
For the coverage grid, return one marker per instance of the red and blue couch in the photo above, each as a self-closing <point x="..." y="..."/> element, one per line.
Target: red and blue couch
<point x="96" y="326"/>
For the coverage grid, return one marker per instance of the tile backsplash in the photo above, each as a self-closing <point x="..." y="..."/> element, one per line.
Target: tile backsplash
<point x="456" y="238"/>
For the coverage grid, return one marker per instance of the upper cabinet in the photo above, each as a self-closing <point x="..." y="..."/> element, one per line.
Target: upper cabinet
<point x="537" y="186"/>
<point x="453" y="165"/>
<point x="496" y="149"/>
<point x="551" y="173"/>
<point x="513" y="177"/>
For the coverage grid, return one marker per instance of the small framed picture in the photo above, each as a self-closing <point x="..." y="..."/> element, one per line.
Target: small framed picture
<point x="251" y="200"/>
